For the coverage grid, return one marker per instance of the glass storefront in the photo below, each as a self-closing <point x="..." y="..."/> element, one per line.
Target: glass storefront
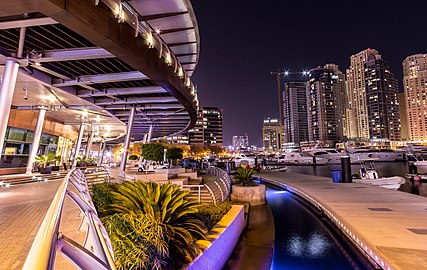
<point x="18" y="144"/>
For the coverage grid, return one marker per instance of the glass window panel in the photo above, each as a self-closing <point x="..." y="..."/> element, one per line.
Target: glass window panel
<point x="16" y="134"/>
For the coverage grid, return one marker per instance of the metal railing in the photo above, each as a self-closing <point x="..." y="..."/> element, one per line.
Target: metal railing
<point x="95" y="253"/>
<point x="218" y="190"/>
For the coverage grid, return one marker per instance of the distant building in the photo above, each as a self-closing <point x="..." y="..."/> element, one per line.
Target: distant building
<point x="324" y="105"/>
<point x="182" y="139"/>
<point x="240" y="142"/>
<point x="208" y="128"/>
<point x="271" y="135"/>
<point x="295" y="122"/>
<point x="382" y="100"/>
<point x="415" y="89"/>
<point x="372" y="111"/>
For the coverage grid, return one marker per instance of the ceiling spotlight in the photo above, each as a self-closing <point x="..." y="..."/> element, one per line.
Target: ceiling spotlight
<point x="158" y="31"/>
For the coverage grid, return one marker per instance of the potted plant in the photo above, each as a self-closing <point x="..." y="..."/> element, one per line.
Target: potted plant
<point x="57" y="160"/>
<point x="43" y="161"/>
<point x="245" y="189"/>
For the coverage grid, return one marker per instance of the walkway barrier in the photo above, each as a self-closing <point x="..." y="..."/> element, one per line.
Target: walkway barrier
<point x="95" y="253"/>
<point x="213" y="191"/>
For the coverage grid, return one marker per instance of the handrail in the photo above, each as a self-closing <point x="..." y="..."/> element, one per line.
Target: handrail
<point x="97" y="252"/>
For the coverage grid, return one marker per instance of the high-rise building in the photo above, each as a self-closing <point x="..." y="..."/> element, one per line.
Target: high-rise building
<point x="415" y="88"/>
<point x="373" y="106"/>
<point x="382" y="100"/>
<point x="340" y="89"/>
<point x="324" y="105"/>
<point x="240" y="142"/>
<point x="271" y="134"/>
<point x="357" y="111"/>
<point x="295" y="123"/>
<point x="208" y="128"/>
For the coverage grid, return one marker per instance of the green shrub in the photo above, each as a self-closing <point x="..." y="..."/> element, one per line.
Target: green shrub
<point x="167" y="205"/>
<point x="102" y="198"/>
<point x="139" y="241"/>
<point x="133" y="157"/>
<point x="221" y="165"/>
<point x="244" y="177"/>
<point x="210" y="213"/>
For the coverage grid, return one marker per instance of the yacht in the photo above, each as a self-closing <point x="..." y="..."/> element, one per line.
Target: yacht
<point x="369" y="175"/>
<point x="301" y="158"/>
<point x="248" y="159"/>
<point x="332" y="154"/>
<point x="367" y="153"/>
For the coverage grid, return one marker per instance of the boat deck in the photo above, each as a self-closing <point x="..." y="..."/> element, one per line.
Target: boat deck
<point x="393" y="224"/>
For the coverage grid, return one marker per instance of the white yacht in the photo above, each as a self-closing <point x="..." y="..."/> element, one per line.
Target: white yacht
<point x="301" y="158"/>
<point x="332" y="154"/>
<point x="367" y="153"/>
<point x="248" y="159"/>
<point x="369" y="175"/>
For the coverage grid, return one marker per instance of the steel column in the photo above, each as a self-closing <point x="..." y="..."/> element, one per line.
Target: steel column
<point x="79" y="144"/>
<point x="127" y="141"/>
<point x="36" y="140"/>
<point x="150" y="134"/>
<point x="89" y="143"/>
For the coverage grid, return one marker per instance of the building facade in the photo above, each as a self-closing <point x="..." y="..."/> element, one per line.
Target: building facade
<point x="294" y="104"/>
<point x="271" y="135"/>
<point x="415" y="89"/>
<point x="382" y="100"/>
<point x="208" y="128"/>
<point x="240" y="142"/>
<point x="324" y="105"/>
<point x="357" y="111"/>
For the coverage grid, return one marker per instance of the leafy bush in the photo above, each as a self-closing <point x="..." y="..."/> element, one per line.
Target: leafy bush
<point x="152" y="151"/>
<point x="139" y="241"/>
<point x="174" y="153"/>
<point x="133" y="157"/>
<point x="210" y="213"/>
<point x="244" y="177"/>
<point x="167" y="205"/>
<point x="221" y="165"/>
<point x="102" y="197"/>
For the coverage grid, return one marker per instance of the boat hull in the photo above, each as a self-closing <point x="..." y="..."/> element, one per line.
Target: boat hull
<point x="393" y="182"/>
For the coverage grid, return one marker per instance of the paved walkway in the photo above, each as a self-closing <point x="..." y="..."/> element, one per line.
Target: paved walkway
<point x="392" y="223"/>
<point x="22" y="208"/>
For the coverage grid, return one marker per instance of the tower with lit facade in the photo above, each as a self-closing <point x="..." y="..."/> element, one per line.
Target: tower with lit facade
<point x="415" y="89"/>
<point x="357" y="111"/>
<point x="271" y="135"/>
<point x="382" y="100"/>
<point x="208" y="128"/>
<point x="324" y="105"/>
<point x="295" y="122"/>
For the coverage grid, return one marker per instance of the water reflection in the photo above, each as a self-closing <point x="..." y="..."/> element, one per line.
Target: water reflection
<point x="303" y="242"/>
<point x="385" y="169"/>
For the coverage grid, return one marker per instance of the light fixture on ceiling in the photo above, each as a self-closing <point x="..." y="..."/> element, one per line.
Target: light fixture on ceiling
<point x="26" y="92"/>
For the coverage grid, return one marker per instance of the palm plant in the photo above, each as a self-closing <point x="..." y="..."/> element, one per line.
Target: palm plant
<point x="167" y="204"/>
<point x="139" y="241"/>
<point x="43" y="160"/>
<point x="244" y="177"/>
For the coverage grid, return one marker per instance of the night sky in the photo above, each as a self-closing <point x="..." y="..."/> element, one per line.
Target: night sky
<point x="243" y="41"/>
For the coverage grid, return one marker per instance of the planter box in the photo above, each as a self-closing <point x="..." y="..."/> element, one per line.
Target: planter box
<point x="47" y="170"/>
<point x="55" y="168"/>
<point x="221" y="241"/>
<point x="254" y="195"/>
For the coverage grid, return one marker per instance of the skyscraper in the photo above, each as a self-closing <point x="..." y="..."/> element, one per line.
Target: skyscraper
<point x="208" y="128"/>
<point x="382" y="100"/>
<point x="324" y="105"/>
<point x="271" y="134"/>
<point x="373" y="106"/>
<point x="295" y="123"/>
<point x="415" y="88"/>
<point x="357" y="111"/>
